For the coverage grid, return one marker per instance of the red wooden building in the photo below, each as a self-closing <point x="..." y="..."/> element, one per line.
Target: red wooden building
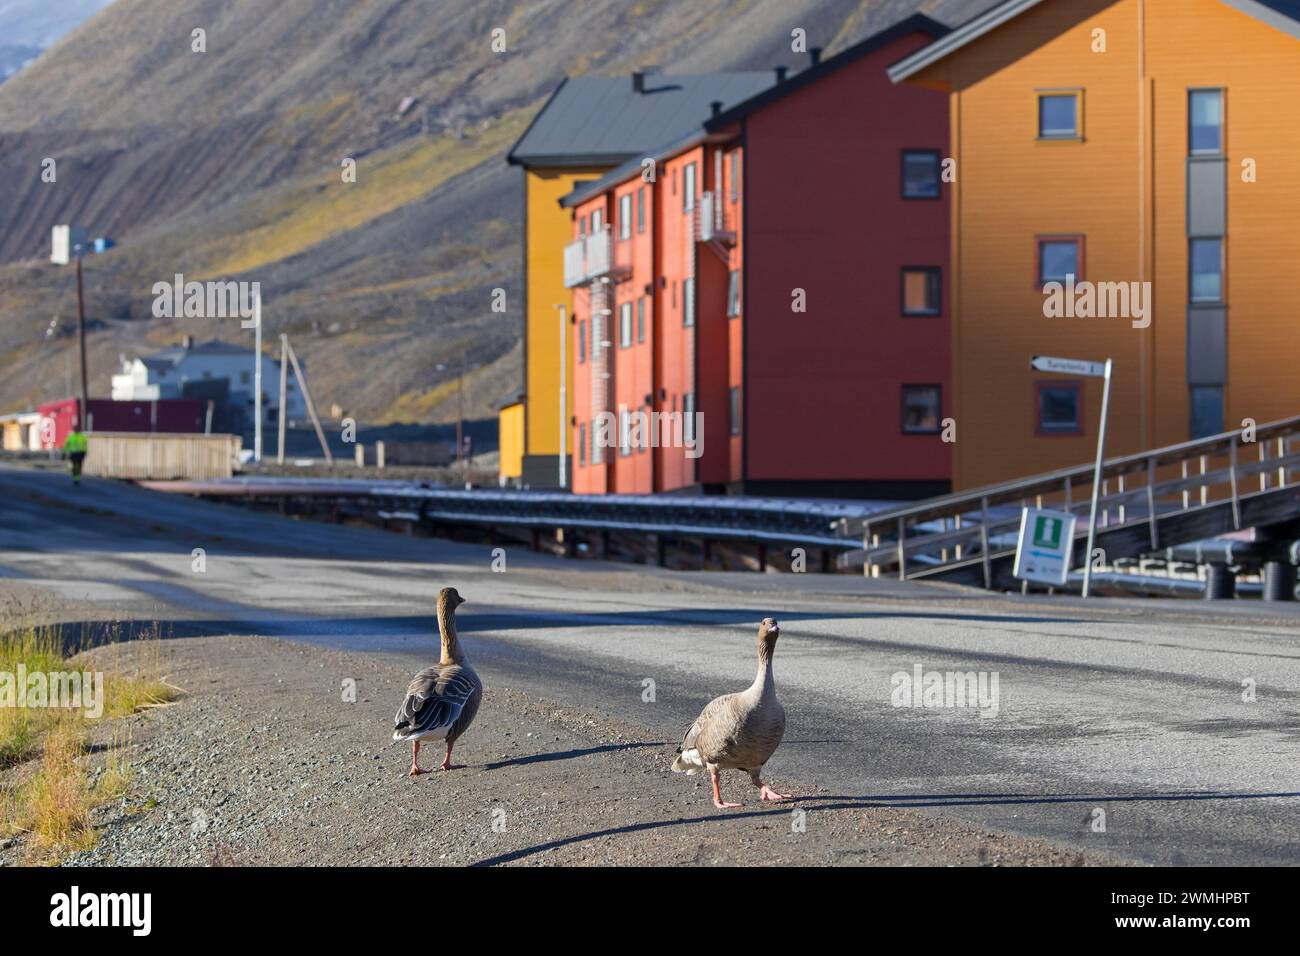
<point x="759" y="307"/>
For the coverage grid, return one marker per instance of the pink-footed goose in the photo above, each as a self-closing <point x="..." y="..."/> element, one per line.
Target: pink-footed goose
<point x="739" y="731"/>
<point x="442" y="700"/>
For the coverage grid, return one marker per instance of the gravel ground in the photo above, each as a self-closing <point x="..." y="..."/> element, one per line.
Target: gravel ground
<point x="263" y="762"/>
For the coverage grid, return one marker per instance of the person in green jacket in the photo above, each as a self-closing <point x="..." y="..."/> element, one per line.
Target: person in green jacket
<point x="74" y="446"/>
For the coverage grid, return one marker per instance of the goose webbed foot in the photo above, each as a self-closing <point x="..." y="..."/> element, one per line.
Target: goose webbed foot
<point x="767" y="793"/>
<point x="447" y="764"/>
<point x="717" y="793"/>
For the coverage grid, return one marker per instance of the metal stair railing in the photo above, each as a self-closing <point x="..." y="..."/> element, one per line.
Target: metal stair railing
<point x="925" y="538"/>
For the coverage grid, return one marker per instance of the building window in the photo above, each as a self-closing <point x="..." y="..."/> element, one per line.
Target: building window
<point x="688" y="416"/>
<point x="640" y="210"/>
<point x="688" y="193"/>
<point x="921" y="409"/>
<point x="735" y="411"/>
<point x="582" y="444"/>
<point x="1060" y="114"/>
<point x="243" y="378"/>
<point x="624" y="432"/>
<point x="688" y="302"/>
<point x="733" y="293"/>
<point x="735" y="175"/>
<point x="582" y="341"/>
<point x="921" y="290"/>
<point x="1206" y="266"/>
<point x="1206" y="406"/>
<point x="640" y="319"/>
<point x="1059" y="408"/>
<point x="625" y="216"/>
<point x="582" y="226"/>
<point x="597" y="219"/>
<point x="625" y="325"/>
<point x="1058" y="258"/>
<point x="1205" y="122"/>
<point x="920" y="174"/>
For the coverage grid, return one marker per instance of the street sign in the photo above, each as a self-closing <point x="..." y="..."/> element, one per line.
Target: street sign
<point x="1044" y="546"/>
<point x="67" y="243"/>
<point x="1102" y="370"/>
<point x="1044" y="363"/>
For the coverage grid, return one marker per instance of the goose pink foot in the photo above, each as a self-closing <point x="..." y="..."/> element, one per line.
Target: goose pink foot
<point x="447" y="764"/>
<point x="415" y="760"/>
<point x="767" y="793"/>
<point x="717" y="796"/>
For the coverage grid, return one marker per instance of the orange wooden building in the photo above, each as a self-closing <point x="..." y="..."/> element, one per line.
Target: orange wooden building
<point x="1101" y="146"/>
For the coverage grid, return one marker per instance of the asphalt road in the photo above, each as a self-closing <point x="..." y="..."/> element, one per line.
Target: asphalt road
<point x="1131" y="709"/>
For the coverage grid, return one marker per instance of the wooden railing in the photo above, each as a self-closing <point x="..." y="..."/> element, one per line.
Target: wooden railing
<point x="159" y="456"/>
<point x="974" y="525"/>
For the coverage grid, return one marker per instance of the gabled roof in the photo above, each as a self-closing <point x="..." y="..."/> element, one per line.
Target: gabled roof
<point x="602" y="120"/>
<point x="714" y="127"/>
<point x="175" y="354"/>
<point x="917" y="23"/>
<point x="1282" y="14"/>
<point x="625" y="171"/>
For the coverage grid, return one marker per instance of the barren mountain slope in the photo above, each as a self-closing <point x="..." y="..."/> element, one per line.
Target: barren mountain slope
<point x="226" y="164"/>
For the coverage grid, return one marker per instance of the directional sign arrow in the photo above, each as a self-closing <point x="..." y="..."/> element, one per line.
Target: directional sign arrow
<point x="1044" y="363"/>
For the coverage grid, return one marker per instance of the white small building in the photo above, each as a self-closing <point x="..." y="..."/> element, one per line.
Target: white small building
<point x="166" y="373"/>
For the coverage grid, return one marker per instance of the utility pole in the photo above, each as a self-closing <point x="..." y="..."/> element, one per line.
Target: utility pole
<point x="81" y="346"/>
<point x="284" y="379"/>
<point x="257" y="377"/>
<point x="460" y="417"/>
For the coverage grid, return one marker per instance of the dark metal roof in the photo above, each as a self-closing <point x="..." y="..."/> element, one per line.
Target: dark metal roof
<point x="1281" y="14"/>
<point x="917" y="23"/>
<point x="602" y="120"/>
<point x="714" y="125"/>
<point x="625" y="171"/>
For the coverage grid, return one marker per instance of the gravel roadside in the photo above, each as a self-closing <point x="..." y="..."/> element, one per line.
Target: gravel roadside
<point x="264" y="761"/>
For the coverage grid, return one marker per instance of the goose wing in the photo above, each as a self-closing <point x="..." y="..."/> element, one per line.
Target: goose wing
<point x="435" y="701"/>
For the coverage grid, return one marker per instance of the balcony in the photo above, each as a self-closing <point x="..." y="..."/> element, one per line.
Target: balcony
<point x="594" y="257"/>
<point x="712" y="226"/>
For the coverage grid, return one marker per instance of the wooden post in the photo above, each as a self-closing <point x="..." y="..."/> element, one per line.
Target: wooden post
<point x="902" y="549"/>
<point x="1151" y="502"/>
<point x="311" y="407"/>
<point x="984" y="543"/>
<point x="1232" y="473"/>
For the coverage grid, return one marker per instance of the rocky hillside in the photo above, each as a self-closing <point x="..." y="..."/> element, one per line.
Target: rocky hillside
<point x="226" y="164"/>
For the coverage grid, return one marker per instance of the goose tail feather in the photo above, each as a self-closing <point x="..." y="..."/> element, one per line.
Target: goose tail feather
<point x="688" y="762"/>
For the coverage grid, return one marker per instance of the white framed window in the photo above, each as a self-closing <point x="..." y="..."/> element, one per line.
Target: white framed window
<point x="625" y="325"/>
<point x="688" y="302"/>
<point x="625" y="216"/>
<point x="688" y="193"/>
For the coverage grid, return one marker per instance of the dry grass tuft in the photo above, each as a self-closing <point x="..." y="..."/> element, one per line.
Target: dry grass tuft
<point x="51" y="803"/>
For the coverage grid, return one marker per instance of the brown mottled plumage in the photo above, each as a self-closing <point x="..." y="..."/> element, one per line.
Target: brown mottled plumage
<point x="739" y="731"/>
<point x="442" y="700"/>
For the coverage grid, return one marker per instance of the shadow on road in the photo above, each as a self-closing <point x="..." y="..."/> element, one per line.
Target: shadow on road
<point x="848" y="802"/>
<point x="570" y="754"/>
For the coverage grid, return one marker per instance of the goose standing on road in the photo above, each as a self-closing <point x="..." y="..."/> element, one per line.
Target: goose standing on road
<point x="443" y="699"/>
<point x="739" y="731"/>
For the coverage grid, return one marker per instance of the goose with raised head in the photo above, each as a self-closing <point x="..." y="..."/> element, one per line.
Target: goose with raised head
<point x="739" y="731"/>
<point x="442" y="700"/>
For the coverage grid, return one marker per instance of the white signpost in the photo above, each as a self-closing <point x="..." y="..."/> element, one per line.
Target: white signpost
<point x="1044" y="546"/>
<point x="1044" y="363"/>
